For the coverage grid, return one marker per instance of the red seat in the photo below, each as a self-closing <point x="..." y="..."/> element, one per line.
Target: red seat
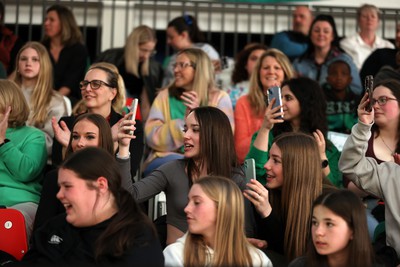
<point x="13" y="238"/>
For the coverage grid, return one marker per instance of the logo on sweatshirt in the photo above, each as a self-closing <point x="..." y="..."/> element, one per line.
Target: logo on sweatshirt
<point x="55" y="240"/>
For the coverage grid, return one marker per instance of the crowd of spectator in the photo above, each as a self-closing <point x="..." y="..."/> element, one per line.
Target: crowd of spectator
<point x="80" y="163"/>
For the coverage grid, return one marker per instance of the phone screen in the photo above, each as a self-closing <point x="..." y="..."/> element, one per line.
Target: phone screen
<point x="275" y="92"/>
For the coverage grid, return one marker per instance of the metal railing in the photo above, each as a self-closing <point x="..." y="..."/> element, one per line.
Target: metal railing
<point x="227" y="26"/>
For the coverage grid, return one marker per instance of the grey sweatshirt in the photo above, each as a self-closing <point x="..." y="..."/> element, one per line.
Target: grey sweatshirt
<point x="382" y="180"/>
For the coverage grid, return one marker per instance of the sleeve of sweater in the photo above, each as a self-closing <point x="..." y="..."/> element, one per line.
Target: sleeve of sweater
<point x="162" y="133"/>
<point x="242" y="124"/>
<point x="150" y="185"/>
<point x="125" y="170"/>
<point x="333" y="155"/>
<point x="58" y="110"/>
<point x="365" y="172"/>
<point x="260" y="157"/>
<point x="224" y="103"/>
<point x="25" y="161"/>
<point x="272" y="230"/>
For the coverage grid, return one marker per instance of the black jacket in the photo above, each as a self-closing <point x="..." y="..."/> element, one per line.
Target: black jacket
<point x="151" y="83"/>
<point x="58" y="243"/>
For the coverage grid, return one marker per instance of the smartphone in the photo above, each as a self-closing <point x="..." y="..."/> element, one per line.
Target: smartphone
<point x="133" y="109"/>
<point x="275" y="92"/>
<point x="249" y="169"/>
<point x="369" y="87"/>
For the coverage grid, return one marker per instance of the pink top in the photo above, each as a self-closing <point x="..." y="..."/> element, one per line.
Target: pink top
<point x="246" y="124"/>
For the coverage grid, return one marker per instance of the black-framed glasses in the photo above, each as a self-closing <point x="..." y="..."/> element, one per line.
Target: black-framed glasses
<point x="382" y="100"/>
<point x="94" y="84"/>
<point x="183" y="65"/>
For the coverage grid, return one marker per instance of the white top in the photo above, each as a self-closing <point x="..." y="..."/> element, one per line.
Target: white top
<point x="359" y="50"/>
<point x="173" y="255"/>
<point x="57" y="108"/>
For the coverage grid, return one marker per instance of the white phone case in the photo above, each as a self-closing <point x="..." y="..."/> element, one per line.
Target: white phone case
<point x="133" y="109"/>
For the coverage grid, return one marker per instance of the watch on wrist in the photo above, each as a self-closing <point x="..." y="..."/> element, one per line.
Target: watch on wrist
<point x="325" y="163"/>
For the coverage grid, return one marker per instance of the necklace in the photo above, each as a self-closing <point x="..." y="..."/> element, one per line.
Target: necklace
<point x="392" y="152"/>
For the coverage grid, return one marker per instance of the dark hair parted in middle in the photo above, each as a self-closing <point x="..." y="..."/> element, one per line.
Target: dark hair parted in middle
<point x="217" y="149"/>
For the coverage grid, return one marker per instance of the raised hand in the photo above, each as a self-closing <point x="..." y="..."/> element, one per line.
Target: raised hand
<point x="272" y="115"/>
<point x="319" y="137"/>
<point x="363" y="115"/>
<point x="61" y="133"/>
<point x="125" y="125"/>
<point x="4" y="124"/>
<point x="258" y="195"/>
<point x="190" y="100"/>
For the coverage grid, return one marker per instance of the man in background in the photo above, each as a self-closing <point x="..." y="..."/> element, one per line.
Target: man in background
<point x="295" y="42"/>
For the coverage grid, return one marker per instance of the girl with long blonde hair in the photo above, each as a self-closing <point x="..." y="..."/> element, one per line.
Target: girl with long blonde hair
<point x="215" y="237"/>
<point x="34" y="75"/>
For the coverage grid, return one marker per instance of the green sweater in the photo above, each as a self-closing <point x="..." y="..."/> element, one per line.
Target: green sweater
<point x="21" y="165"/>
<point x="261" y="157"/>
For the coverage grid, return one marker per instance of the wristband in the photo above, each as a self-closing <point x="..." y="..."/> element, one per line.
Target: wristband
<point x="325" y="163"/>
<point x="127" y="157"/>
<point x="5" y="141"/>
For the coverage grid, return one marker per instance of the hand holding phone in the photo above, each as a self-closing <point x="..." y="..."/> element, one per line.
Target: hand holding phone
<point x="133" y="109"/>
<point x="275" y="92"/>
<point x="369" y="87"/>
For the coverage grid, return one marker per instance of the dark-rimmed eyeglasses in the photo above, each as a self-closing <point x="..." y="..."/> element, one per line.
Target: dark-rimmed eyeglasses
<point x="94" y="84"/>
<point x="183" y="65"/>
<point x="382" y="100"/>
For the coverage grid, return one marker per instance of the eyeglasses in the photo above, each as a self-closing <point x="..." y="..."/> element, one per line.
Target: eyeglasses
<point x="150" y="52"/>
<point x="183" y="65"/>
<point x="94" y="84"/>
<point x="382" y="100"/>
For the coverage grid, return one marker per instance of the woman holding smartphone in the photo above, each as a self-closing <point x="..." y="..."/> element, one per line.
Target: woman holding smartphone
<point x="194" y="86"/>
<point x="304" y="111"/>
<point x="103" y="92"/>
<point x="272" y="68"/>
<point x="89" y="129"/>
<point x="283" y="205"/>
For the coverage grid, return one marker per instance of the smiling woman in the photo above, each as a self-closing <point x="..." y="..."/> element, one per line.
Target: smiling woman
<point x="102" y="225"/>
<point x="323" y="49"/>
<point x="272" y="68"/>
<point x="89" y="129"/>
<point x="283" y="206"/>
<point x="103" y="93"/>
<point x="193" y="87"/>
